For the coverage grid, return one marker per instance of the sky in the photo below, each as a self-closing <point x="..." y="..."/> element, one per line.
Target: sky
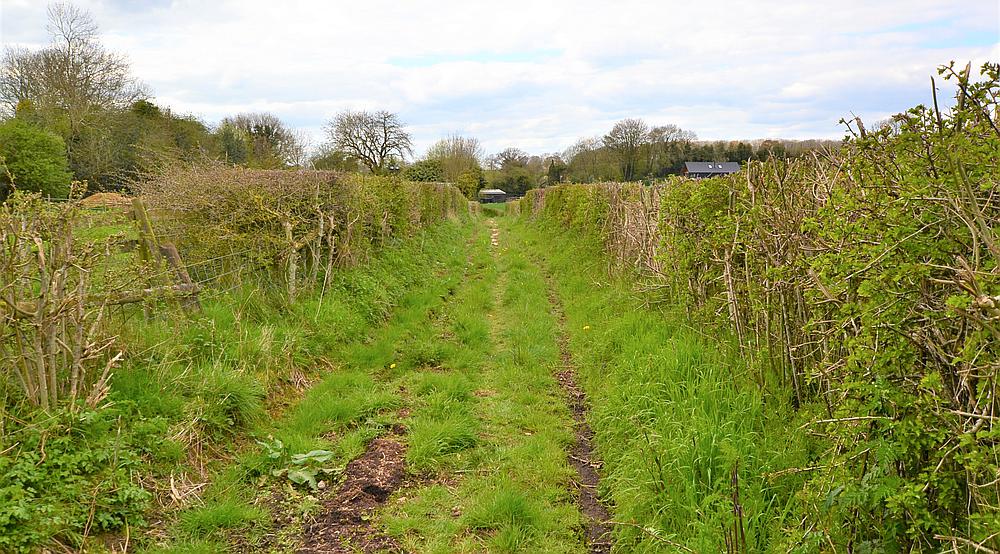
<point x="540" y="74"/>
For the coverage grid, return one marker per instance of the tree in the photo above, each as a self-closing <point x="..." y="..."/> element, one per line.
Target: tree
<point x="515" y="172"/>
<point x="664" y="149"/>
<point x="333" y="159"/>
<point x="425" y="171"/>
<point x="625" y="140"/>
<point x="32" y="159"/>
<point x="375" y="138"/>
<point x="75" y="87"/>
<point x="146" y="137"/>
<point x="509" y="158"/>
<point x="470" y="182"/>
<point x="232" y="144"/>
<point x="514" y="180"/>
<point x="740" y="152"/>
<point x="770" y="148"/>
<point x="555" y="168"/>
<point x="74" y="75"/>
<point x="266" y="141"/>
<point x="589" y="160"/>
<point x="458" y="155"/>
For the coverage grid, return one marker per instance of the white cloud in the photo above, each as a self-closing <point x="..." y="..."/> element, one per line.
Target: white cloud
<point x="539" y="74"/>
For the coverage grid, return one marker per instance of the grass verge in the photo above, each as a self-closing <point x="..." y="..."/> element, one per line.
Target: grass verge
<point x="678" y="420"/>
<point x="184" y="410"/>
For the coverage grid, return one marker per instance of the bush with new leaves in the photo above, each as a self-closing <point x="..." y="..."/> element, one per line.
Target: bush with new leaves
<point x="32" y="160"/>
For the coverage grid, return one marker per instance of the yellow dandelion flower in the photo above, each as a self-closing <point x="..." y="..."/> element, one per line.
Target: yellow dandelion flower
<point x="392" y="366"/>
<point x="586" y="327"/>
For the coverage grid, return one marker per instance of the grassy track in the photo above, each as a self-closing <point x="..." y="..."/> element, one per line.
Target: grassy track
<point x="463" y="378"/>
<point x="508" y="490"/>
<point x="464" y="388"/>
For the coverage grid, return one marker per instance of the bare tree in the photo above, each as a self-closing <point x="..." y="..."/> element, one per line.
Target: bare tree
<point x="625" y="140"/>
<point x="457" y="155"/>
<point x="268" y="141"/>
<point x="74" y="75"/>
<point x="375" y="138"/>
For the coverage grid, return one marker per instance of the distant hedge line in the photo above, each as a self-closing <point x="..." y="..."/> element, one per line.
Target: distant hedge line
<point x="865" y="285"/>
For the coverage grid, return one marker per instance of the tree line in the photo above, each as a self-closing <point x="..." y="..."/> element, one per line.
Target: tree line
<point x="73" y="111"/>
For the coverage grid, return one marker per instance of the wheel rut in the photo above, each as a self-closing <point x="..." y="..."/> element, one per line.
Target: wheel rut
<point x="581" y="454"/>
<point x="347" y="521"/>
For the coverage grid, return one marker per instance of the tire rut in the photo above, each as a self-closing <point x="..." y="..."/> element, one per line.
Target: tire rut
<point x="347" y="523"/>
<point x="581" y="454"/>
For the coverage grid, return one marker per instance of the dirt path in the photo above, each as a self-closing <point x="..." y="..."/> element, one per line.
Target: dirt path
<point x="581" y="455"/>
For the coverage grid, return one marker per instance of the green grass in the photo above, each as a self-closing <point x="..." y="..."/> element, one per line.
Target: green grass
<point x="494" y="210"/>
<point x="220" y="515"/>
<point x="351" y="403"/>
<point x="674" y="411"/>
<point x="508" y="491"/>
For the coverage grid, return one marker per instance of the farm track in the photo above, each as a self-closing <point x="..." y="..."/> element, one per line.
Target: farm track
<point x="528" y="482"/>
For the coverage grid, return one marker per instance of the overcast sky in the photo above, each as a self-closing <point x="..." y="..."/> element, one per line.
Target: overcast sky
<point x="540" y="74"/>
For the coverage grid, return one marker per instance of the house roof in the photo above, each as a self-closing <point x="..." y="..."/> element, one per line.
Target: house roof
<point x="492" y="191"/>
<point x="712" y="167"/>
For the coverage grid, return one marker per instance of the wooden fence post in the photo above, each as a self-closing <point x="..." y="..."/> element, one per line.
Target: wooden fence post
<point x="293" y="259"/>
<point x="152" y="253"/>
<point x="149" y="252"/>
<point x="190" y="302"/>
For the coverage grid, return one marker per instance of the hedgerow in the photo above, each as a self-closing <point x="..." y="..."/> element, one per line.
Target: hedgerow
<point x="864" y="286"/>
<point x="189" y="387"/>
<point x="295" y="224"/>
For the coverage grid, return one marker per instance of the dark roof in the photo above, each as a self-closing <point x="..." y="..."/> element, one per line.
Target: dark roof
<point x="720" y="168"/>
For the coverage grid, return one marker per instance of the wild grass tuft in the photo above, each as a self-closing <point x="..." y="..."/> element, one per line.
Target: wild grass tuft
<point x="227" y="514"/>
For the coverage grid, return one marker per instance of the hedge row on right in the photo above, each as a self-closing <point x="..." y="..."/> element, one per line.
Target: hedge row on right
<point x="865" y="286"/>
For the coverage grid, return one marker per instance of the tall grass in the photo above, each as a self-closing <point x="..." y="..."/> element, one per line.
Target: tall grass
<point x="675" y="412"/>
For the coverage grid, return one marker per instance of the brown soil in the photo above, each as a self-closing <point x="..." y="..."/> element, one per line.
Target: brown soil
<point x="581" y="453"/>
<point x="106" y="200"/>
<point x="345" y="524"/>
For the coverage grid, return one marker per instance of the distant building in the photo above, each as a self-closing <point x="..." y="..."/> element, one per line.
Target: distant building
<point x="700" y="170"/>
<point x="492" y="196"/>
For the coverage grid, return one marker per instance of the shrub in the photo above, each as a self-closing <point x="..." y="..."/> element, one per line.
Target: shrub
<point x="34" y="159"/>
<point x="64" y="473"/>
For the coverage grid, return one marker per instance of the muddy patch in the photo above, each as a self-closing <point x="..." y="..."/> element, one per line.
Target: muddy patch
<point x="582" y="459"/>
<point x="581" y="453"/>
<point x="345" y="522"/>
